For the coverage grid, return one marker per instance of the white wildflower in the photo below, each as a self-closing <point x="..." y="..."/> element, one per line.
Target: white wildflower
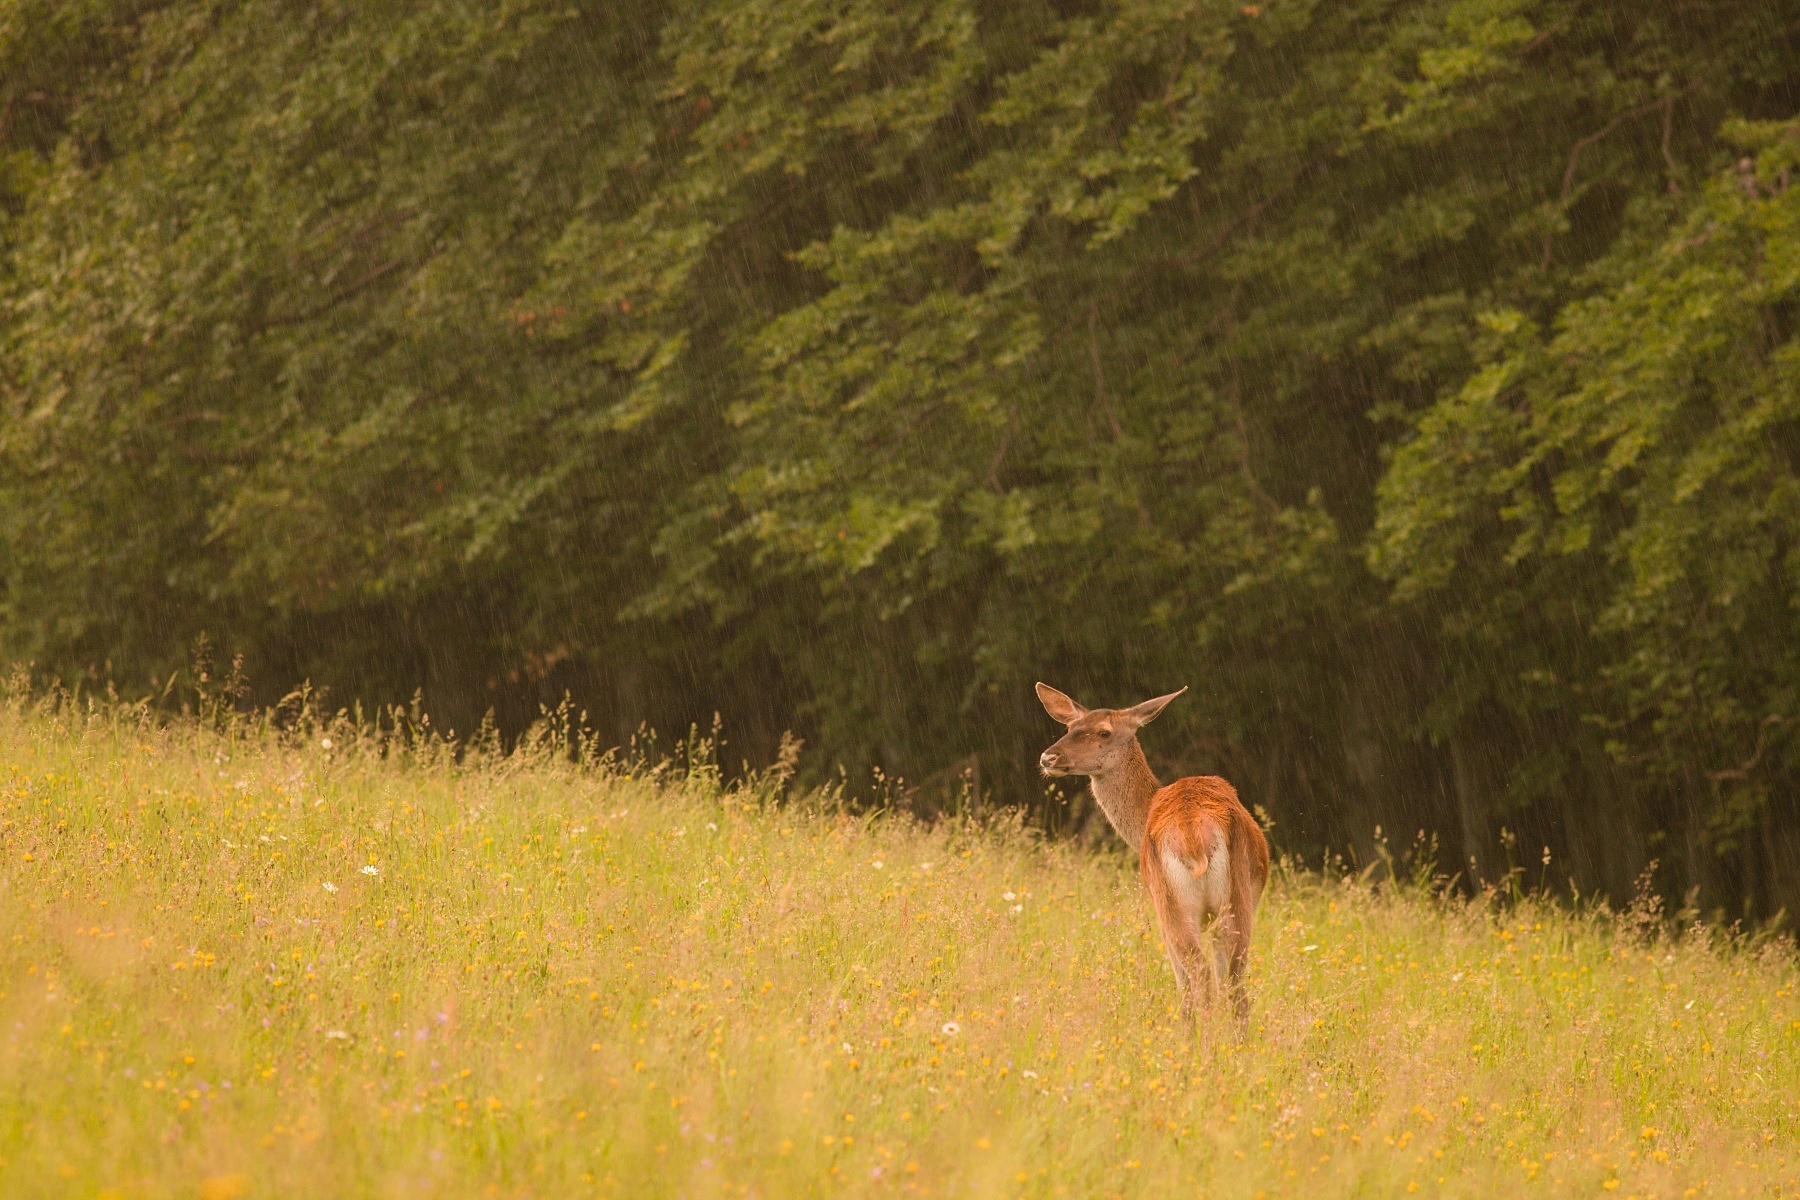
<point x="325" y="743"/>
<point x="371" y="869"/>
<point x="329" y="886"/>
<point x="951" y="1029"/>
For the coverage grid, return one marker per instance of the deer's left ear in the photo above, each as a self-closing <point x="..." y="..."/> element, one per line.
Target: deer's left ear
<point x="1142" y="714"/>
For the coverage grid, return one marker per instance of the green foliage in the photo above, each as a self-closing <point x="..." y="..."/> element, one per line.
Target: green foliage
<point x="1648" y="442"/>
<point x="1411" y="378"/>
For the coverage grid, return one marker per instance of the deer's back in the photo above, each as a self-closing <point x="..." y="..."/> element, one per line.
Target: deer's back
<point x="1193" y="813"/>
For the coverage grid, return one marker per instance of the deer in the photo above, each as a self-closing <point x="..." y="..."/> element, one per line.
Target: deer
<point x="1202" y="856"/>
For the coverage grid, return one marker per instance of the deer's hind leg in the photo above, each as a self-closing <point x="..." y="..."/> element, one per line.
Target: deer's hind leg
<point x="1234" y="961"/>
<point x="1216" y="914"/>
<point x="1246" y="890"/>
<point x="1179" y="907"/>
<point x="1186" y="947"/>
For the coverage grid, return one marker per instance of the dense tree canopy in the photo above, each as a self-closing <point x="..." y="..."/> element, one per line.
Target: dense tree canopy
<point x="1416" y="379"/>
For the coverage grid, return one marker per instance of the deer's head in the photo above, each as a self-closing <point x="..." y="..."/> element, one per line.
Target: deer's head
<point x="1099" y="739"/>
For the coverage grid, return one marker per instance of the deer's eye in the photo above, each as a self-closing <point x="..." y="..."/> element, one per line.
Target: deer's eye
<point x="1106" y="733"/>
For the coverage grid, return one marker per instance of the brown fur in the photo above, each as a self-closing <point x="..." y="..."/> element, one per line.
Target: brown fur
<point x="1182" y="827"/>
<point x="1191" y="820"/>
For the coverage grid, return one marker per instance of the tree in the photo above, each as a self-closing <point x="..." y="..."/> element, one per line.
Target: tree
<point x="853" y="365"/>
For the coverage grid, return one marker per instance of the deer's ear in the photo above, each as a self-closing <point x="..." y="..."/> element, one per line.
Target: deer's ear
<point x="1142" y="714"/>
<point x="1059" y="706"/>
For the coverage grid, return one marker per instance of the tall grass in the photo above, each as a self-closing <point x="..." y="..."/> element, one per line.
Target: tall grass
<point x="236" y="963"/>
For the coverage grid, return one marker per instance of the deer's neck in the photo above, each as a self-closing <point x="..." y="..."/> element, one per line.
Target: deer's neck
<point x="1124" y="795"/>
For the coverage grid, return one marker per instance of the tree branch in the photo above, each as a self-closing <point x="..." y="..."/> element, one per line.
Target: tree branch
<point x="1742" y="771"/>
<point x="1102" y="402"/>
<point x="1568" y="179"/>
<point x="1668" y="125"/>
<point x="1237" y="409"/>
<point x="336" y="298"/>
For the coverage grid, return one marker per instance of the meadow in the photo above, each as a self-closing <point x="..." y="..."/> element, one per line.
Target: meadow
<point x="236" y="962"/>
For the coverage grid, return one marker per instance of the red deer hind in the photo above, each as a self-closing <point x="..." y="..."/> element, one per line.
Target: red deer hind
<point x="1202" y="856"/>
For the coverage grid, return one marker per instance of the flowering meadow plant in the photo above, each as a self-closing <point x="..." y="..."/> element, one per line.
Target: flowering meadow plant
<point x="242" y="964"/>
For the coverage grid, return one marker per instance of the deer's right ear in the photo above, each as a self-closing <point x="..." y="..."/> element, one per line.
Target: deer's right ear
<point x="1059" y="706"/>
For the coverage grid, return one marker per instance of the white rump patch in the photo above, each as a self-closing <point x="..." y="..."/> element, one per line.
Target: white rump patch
<point x="1218" y="878"/>
<point x="1201" y="889"/>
